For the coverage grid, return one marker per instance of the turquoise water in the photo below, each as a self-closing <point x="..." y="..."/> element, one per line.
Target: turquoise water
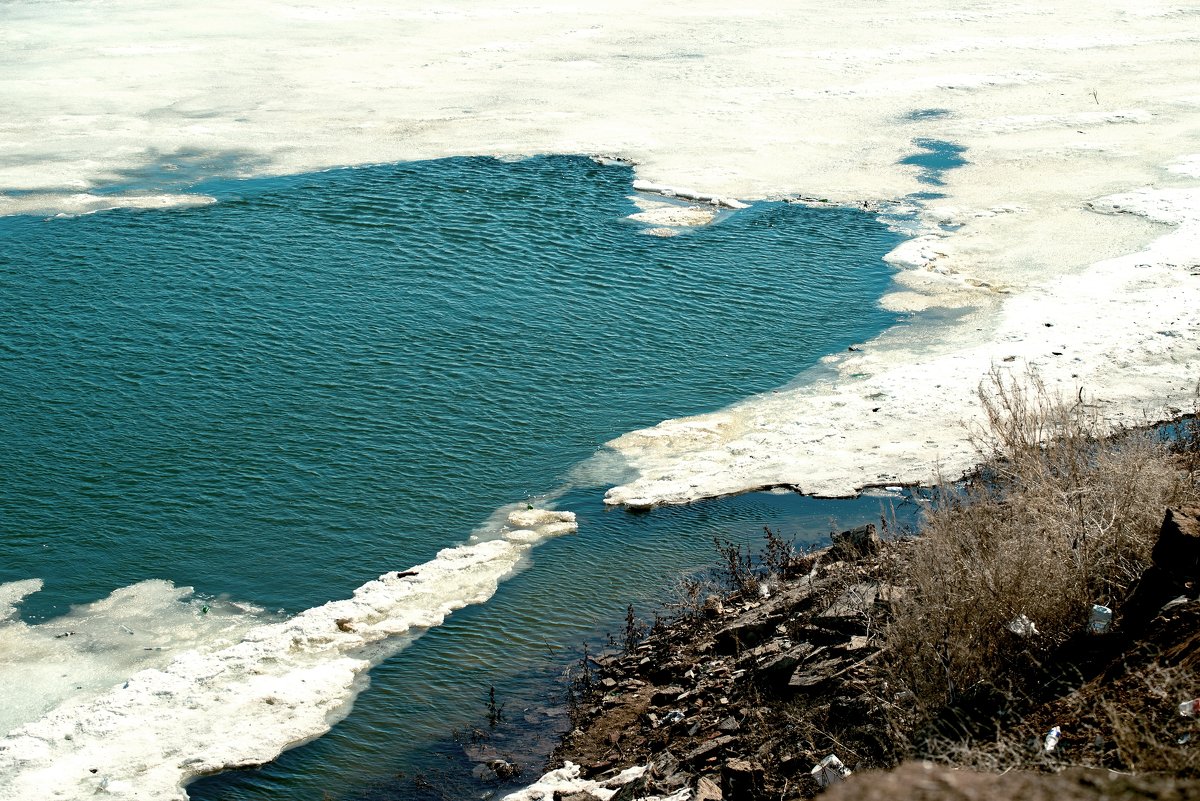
<point x="325" y="377"/>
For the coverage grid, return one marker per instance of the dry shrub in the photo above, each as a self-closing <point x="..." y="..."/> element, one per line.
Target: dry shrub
<point x="1151" y="737"/>
<point x="1062" y="515"/>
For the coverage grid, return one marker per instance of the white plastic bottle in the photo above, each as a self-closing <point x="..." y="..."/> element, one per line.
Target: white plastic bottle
<point x="1052" y="739"/>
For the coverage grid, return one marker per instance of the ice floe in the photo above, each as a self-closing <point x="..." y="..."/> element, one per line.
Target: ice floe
<point x="233" y="696"/>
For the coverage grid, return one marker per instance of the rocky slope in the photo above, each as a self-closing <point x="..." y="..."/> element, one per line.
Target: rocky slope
<point x="743" y="697"/>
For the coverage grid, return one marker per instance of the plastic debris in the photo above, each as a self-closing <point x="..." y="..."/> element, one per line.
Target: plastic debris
<point x="1100" y="620"/>
<point x="674" y="716"/>
<point x="830" y="770"/>
<point x="1052" y="739"/>
<point x="1190" y="709"/>
<point x="1022" y="626"/>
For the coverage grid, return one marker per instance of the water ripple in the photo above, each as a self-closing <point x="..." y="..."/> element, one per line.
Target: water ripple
<point x="324" y="377"/>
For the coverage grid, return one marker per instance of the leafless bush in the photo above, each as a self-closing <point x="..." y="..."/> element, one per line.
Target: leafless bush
<point x="1062" y="515"/>
<point x="691" y="594"/>
<point x="737" y="569"/>
<point x="743" y="571"/>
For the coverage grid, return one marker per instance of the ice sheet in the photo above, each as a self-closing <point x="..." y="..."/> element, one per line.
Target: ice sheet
<point x="235" y="695"/>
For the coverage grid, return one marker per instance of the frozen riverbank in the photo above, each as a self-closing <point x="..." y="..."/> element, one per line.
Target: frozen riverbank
<point x="1053" y="108"/>
<point x="1124" y="329"/>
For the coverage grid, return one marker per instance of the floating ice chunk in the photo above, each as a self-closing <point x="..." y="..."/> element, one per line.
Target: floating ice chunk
<point x="1032" y="122"/>
<point x="688" y="194"/>
<point x="523" y="535"/>
<point x="678" y="216"/>
<point x="96" y="646"/>
<point x="276" y="686"/>
<point x="541" y="518"/>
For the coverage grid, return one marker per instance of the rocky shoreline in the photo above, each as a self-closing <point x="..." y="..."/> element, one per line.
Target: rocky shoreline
<point x="715" y="701"/>
<point x="747" y="696"/>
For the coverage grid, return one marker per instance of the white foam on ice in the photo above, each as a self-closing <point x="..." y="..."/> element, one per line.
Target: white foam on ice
<point x="79" y="655"/>
<point x="1189" y="165"/>
<point x="236" y="696"/>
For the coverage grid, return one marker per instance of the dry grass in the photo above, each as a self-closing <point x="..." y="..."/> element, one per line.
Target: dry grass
<point x="1154" y="739"/>
<point x="1063" y="515"/>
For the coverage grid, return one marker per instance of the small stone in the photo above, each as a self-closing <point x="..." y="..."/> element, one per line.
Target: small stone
<point x="631" y="790"/>
<point x="741" y="779"/>
<point x="729" y="725"/>
<point x="852" y="609"/>
<point x="666" y="695"/>
<point x="664" y="766"/>
<point x="1178" y="545"/>
<point x="812" y="675"/>
<point x="504" y="769"/>
<point x="578" y="795"/>
<point x="861" y="541"/>
<point x="707" y="749"/>
<point x="707" y="790"/>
